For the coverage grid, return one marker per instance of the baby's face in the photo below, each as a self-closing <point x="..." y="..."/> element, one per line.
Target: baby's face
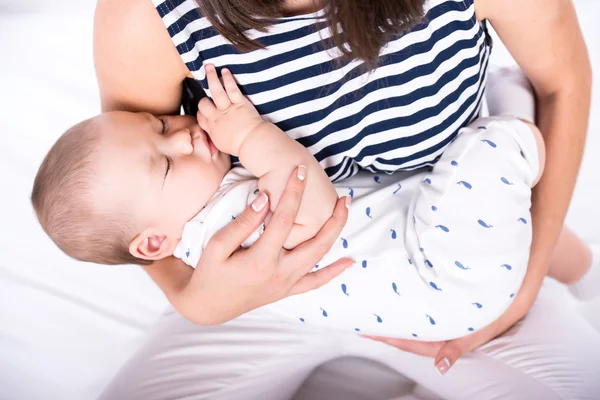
<point x="166" y="169"/>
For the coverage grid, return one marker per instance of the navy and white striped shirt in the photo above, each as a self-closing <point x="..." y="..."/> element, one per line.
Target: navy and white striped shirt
<point x="429" y="83"/>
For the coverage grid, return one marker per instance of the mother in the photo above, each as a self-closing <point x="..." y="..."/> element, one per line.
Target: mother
<point x="428" y="62"/>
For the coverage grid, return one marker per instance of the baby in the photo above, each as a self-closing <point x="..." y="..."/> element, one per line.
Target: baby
<point x="132" y="188"/>
<point x="119" y="187"/>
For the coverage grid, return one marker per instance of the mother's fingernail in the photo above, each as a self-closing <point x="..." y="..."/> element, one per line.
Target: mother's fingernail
<point x="301" y="172"/>
<point x="443" y="366"/>
<point x="260" y="202"/>
<point x="348" y="201"/>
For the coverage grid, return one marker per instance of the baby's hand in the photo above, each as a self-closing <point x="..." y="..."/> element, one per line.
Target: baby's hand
<point x="229" y="117"/>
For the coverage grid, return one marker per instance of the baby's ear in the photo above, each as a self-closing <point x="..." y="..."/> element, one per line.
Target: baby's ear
<point x="150" y="245"/>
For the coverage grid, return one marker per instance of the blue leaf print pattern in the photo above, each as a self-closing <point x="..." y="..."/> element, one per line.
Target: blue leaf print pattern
<point x="409" y="261"/>
<point x="364" y="264"/>
<point x="345" y="289"/>
<point x="508" y="267"/>
<point x="482" y="127"/>
<point x="443" y="228"/>
<point x="428" y="263"/>
<point x="454" y="163"/>
<point x="317" y="266"/>
<point x="187" y="253"/>
<point x="465" y="184"/>
<point x="433" y="285"/>
<point x="431" y="320"/>
<point x="395" y="287"/>
<point x="470" y="329"/>
<point x="344" y="243"/>
<point x="492" y="144"/>
<point x="357" y="330"/>
<point x="378" y="318"/>
<point x="256" y="191"/>
<point x="351" y="193"/>
<point x="459" y="265"/>
<point x="414" y="335"/>
<point x="368" y="211"/>
<point x="478" y="305"/>
<point x="433" y="208"/>
<point x="506" y="181"/>
<point x="324" y="312"/>
<point x="399" y="187"/>
<point x="301" y="319"/>
<point x="484" y="224"/>
<point x="376" y="179"/>
<point x="393" y="234"/>
<point x="427" y="180"/>
<point x="523" y="220"/>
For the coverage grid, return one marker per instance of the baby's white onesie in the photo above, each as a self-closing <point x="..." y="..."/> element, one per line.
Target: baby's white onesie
<point x="439" y="253"/>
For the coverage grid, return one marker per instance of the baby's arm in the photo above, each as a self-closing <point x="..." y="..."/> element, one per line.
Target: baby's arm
<point x="267" y="152"/>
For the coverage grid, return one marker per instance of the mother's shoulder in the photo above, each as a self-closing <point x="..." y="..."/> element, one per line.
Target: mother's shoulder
<point x="129" y="15"/>
<point x="136" y="61"/>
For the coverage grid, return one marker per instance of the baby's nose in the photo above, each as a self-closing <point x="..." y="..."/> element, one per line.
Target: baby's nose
<point x="182" y="142"/>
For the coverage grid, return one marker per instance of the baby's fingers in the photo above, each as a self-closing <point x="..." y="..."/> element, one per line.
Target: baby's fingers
<point x="235" y="95"/>
<point x="203" y="122"/>
<point x="206" y="109"/>
<point x="220" y="98"/>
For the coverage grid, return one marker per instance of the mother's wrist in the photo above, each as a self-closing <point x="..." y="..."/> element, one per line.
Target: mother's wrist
<point x="515" y="312"/>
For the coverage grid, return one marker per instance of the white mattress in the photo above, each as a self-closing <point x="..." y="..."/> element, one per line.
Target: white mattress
<point x="65" y="327"/>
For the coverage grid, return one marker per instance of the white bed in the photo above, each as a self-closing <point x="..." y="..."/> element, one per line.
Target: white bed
<point x="66" y="327"/>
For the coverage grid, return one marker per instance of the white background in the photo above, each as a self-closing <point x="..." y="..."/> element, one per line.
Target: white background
<point x="66" y="327"/>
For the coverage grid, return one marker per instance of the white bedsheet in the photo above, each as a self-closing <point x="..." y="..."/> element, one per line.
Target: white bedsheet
<point x="66" y="327"/>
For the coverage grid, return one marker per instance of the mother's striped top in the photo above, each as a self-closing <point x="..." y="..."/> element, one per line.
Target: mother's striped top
<point x="429" y="83"/>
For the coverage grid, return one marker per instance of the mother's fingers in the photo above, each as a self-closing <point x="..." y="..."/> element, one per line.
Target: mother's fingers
<point x="231" y="237"/>
<point x="282" y="221"/>
<point x="452" y="350"/>
<point x="218" y="94"/>
<point x="313" y="250"/>
<point x="429" y="349"/>
<point x="317" y="279"/>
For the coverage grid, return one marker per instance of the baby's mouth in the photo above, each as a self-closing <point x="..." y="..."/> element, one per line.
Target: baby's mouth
<point x="211" y="146"/>
<point x="206" y="141"/>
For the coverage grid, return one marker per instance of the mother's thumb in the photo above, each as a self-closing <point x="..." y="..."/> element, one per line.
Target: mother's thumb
<point x="447" y="356"/>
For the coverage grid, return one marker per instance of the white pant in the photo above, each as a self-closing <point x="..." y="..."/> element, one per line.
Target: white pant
<point x="553" y="353"/>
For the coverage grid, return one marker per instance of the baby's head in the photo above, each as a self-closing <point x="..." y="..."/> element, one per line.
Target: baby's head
<point x="118" y="188"/>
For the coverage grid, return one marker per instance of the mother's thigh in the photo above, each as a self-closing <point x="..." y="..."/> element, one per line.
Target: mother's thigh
<point x="553" y="353"/>
<point x="255" y="356"/>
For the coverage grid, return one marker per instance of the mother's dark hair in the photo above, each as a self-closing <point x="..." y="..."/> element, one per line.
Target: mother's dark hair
<point x="366" y="26"/>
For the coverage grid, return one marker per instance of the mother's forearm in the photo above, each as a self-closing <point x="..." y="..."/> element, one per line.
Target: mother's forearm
<point x="562" y="117"/>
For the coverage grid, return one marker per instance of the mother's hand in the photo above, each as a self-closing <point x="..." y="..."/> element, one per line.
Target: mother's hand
<point x="230" y="281"/>
<point x="445" y="353"/>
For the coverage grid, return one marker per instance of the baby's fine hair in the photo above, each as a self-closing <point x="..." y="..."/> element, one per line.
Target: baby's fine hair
<point x="63" y="203"/>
